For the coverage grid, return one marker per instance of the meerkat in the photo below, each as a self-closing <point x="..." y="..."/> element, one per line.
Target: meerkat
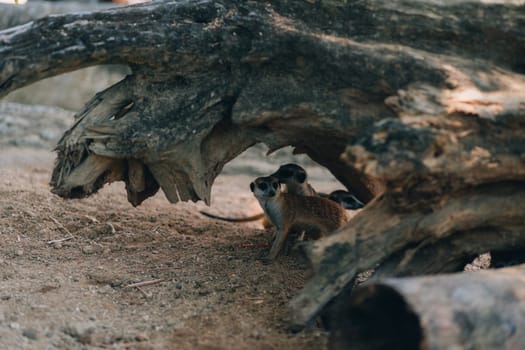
<point x="295" y="179"/>
<point x="346" y="199"/>
<point x="312" y="214"/>
<point x="293" y="176"/>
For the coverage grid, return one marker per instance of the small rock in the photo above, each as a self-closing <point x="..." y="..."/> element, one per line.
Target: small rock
<point x="204" y="291"/>
<point x="141" y="337"/>
<point x="5" y="297"/>
<point x="57" y="245"/>
<point x="116" y="283"/>
<point x="30" y="333"/>
<point x="19" y="252"/>
<point x="88" y="249"/>
<point x="14" y="325"/>
<point x="106" y="251"/>
<point x="178" y="285"/>
<point x="83" y="333"/>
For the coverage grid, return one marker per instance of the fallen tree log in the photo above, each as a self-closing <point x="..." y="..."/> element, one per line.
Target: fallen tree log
<point x="421" y="102"/>
<point x="470" y="310"/>
<point x="378" y="234"/>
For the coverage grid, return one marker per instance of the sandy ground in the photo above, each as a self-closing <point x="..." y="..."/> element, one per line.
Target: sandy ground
<point x="74" y="293"/>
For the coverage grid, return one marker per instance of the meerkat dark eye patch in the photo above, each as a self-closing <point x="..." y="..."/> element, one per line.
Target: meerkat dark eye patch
<point x="275" y="185"/>
<point x="252" y="186"/>
<point x="263" y="186"/>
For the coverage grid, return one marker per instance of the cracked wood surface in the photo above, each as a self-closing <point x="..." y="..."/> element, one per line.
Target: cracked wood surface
<point x="420" y="101"/>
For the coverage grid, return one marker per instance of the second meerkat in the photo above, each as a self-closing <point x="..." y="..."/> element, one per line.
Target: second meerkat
<point x="293" y="176"/>
<point x="315" y="215"/>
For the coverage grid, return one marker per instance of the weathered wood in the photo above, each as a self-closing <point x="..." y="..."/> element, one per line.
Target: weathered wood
<point x="453" y="253"/>
<point x="379" y="233"/>
<point x="225" y="61"/>
<point x="474" y="310"/>
<point x="422" y="101"/>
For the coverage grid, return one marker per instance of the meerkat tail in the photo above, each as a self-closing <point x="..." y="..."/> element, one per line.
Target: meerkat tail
<point x="246" y="219"/>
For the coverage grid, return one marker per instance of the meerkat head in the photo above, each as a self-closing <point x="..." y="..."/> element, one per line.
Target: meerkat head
<point x="346" y="199"/>
<point x="265" y="187"/>
<point x="290" y="173"/>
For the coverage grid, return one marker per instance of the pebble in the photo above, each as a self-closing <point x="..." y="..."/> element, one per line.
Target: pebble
<point x="178" y="285"/>
<point x="88" y="249"/>
<point x="83" y="333"/>
<point x="19" y="252"/>
<point x="57" y="245"/>
<point x="30" y="333"/>
<point x="204" y="291"/>
<point x="141" y="337"/>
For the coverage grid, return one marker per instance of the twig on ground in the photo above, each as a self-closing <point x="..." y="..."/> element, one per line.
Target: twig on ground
<point x="60" y="225"/>
<point x="255" y="300"/>
<point x="53" y="241"/>
<point x="144" y="283"/>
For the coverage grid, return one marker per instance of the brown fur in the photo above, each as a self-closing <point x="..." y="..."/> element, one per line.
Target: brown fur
<point x="293" y="176"/>
<point x="290" y="212"/>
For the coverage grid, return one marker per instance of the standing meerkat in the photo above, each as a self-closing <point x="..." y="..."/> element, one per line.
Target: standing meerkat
<point x="314" y="215"/>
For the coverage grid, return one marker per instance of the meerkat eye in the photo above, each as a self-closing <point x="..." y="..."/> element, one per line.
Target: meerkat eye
<point x="263" y="186"/>
<point x="275" y="185"/>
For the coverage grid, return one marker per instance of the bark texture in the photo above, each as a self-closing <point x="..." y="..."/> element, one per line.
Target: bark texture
<point x="477" y="310"/>
<point x="415" y="106"/>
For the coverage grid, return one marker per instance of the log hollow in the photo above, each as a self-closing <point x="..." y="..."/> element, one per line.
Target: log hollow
<point x="474" y="310"/>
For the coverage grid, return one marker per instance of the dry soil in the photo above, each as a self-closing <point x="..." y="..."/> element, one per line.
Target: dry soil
<point x="67" y="268"/>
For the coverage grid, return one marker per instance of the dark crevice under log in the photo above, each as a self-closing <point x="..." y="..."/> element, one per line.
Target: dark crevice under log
<point x="476" y="310"/>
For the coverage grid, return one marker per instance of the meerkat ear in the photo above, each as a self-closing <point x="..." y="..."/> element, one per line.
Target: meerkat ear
<point x="300" y="177"/>
<point x="252" y="186"/>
